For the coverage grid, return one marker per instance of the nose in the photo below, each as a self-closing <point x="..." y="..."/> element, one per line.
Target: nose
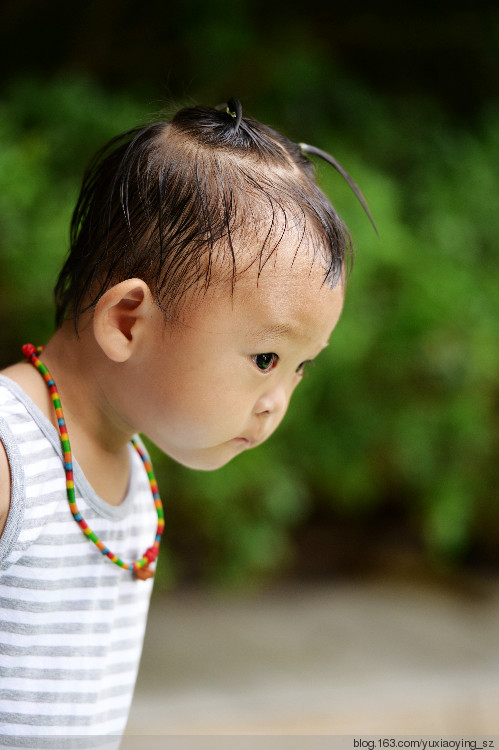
<point x="273" y="402"/>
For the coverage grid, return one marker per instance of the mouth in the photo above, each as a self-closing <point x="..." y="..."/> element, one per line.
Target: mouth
<point x="244" y="441"/>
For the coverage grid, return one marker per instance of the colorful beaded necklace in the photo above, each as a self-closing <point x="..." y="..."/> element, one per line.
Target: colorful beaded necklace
<point x="140" y="567"/>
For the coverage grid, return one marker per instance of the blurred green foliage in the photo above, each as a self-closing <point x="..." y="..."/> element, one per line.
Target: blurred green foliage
<point x="401" y="411"/>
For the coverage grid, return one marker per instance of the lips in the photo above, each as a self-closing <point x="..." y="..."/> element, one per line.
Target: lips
<point x="253" y="439"/>
<point x="245" y="440"/>
<point x="248" y="441"/>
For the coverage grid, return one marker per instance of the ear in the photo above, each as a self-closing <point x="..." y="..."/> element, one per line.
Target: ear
<point x="120" y="317"/>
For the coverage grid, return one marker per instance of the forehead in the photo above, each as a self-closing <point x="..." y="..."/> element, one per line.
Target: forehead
<point x="290" y="297"/>
<point x="286" y="297"/>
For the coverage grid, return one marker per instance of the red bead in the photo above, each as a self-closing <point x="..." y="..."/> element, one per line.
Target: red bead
<point x="28" y="350"/>
<point x="150" y="554"/>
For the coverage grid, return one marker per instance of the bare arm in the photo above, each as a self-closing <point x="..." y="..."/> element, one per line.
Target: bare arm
<point x="4" y="488"/>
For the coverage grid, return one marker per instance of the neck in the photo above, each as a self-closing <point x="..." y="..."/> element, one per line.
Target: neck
<point x="80" y="371"/>
<point x="98" y="439"/>
<point x="84" y="378"/>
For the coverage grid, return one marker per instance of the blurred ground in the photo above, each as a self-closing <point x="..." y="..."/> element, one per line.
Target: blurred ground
<point x="339" y="658"/>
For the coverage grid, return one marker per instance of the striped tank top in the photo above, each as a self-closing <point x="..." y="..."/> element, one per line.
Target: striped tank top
<point x="71" y="622"/>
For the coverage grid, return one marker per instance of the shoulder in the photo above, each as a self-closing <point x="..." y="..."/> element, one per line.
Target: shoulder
<point x="4" y="481"/>
<point x="4" y="487"/>
<point x="11" y="464"/>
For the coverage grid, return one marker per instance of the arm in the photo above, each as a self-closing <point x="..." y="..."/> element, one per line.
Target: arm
<point x="4" y="488"/>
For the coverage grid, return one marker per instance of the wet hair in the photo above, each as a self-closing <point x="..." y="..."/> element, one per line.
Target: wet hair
<point x="175" y="203"/>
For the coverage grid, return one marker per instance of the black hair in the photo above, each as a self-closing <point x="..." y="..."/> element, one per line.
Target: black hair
<point x="157" y="200"/>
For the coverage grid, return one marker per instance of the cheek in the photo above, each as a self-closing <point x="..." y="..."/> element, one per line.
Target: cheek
<point x="278" y="417"/>
<point x="196" y="401"/>
<point x="289" y="401"/>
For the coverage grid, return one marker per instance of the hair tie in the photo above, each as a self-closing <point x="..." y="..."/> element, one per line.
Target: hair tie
<point x="235" y="110"/>
<point x="306" y="150"/>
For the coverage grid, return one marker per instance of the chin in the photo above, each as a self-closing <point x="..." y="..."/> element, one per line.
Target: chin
<point x="204" y="465"/>
<point x="201" y="463"/>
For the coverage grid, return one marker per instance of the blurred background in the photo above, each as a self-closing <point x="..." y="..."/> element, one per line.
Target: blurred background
<point x="380" y="489"/>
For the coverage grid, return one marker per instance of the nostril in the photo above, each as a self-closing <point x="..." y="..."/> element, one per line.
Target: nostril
<point x="263" y="407"/>
<point x="263" y="412"/>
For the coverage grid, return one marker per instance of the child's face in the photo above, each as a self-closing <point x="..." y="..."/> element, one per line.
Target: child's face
<point x="221" y="382"/>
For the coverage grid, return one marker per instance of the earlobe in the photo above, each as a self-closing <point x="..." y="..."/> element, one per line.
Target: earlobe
<point x="119" y="317"/>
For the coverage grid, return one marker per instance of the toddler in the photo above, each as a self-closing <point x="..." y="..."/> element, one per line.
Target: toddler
<point x="206" y="269"/>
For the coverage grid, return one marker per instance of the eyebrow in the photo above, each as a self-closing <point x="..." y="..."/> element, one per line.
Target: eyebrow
<point x="276" y="331"/>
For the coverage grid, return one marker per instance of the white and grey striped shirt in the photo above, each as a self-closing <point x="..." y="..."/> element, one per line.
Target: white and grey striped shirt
<point x="71" y="622"/>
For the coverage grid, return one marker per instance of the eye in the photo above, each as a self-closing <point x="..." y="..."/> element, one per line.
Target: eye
<point x="266" y="361"/>
<point x="302" y="369"/>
